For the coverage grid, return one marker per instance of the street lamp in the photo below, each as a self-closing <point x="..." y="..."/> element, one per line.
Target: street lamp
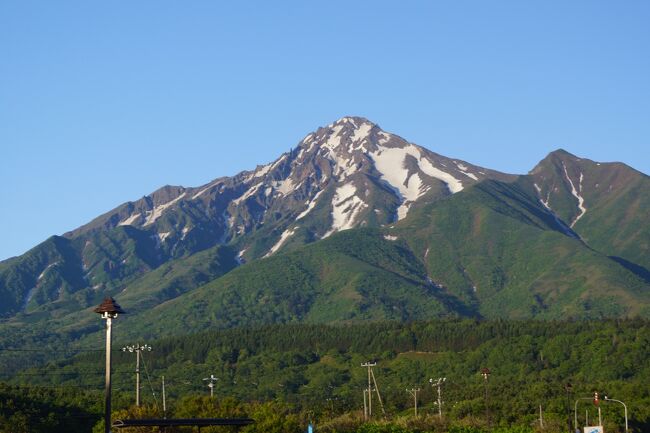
<point x="485" y="372"/>
<point x="109" y="310"/>
<point x="137" y="348"/>
<point x="575" y="410"/>
<point x="212" y="380"/>
<point x="624" y="407"/>
<point x="438" y="383"/>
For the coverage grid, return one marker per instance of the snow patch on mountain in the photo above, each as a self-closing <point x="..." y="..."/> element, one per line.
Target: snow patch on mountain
<point x="453" y="184"/>
<point x="131" y="220"/>
<point x="159" y="238"/>
<point x="30" y="293"/>
<point x="334" y="139"/>
<point x="240" y="257"/>
<point x="28" y="297"/>
<point x="541" y="200"/>
<point x="463" y="168"/>
<point x="285" y="186"/>
<point x="310" y="205"/>
<point x="157" y="212"/>
<point x="42" y="274"/>
<point x="247" y="194"/>
<point x="389" y="161"/>
<point x="361" y="132"/>
<point x="412" y="191"/>
<point x="565" y="229"/>
<point x="576" y="194"/>
<point x="283" y="238"/>
<point x="262" y="171"/>
<point x="384" y="137"/>
<point x="346" y="206"/>
<point x="207" y="188"/>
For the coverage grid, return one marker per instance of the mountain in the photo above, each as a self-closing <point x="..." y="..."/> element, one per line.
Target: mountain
<point x="348" y="174"/>
<point x="354" y="223"/>
<point x="606" y="203"/>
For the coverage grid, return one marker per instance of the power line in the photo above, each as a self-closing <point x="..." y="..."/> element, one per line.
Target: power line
<point x="50" y="350"/>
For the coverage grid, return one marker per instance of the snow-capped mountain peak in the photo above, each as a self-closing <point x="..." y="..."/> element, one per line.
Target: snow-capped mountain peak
<point x="347" y="174"/>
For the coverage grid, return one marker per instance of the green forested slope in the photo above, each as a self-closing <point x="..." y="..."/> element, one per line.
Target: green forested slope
<point x="318" y="368"/>
<point x="497" y="248"/>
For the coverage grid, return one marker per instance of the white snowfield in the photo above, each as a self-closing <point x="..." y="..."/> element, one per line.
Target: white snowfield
<point x="285" y="186"/>
<point x="247" y="194"/>
<point x="390" y="163"/>
<point x="204" y="190"/>
<point x="567" y="231"/>
<point x="283" y="238"/>
<point x="310" y="205"/>
<point x="463" y="169"/>
<point x="131" y="220"/>
<point x="346" y="206"/>
<point x="576" y="194"/>
<point x="360" y="134"/>
<point x="157" y="212"/>
<point x="346" y="144"/>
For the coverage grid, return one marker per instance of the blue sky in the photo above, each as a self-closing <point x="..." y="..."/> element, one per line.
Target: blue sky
<point x="104" y="102"/>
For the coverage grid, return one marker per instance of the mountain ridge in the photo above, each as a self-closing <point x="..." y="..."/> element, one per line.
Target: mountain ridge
<point x="484" y="243"/>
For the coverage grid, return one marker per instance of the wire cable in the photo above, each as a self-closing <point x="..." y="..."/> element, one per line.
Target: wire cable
<point x="146" y="371"/>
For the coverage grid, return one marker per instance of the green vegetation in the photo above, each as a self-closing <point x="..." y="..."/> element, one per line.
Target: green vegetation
<point x="313" y="371"/>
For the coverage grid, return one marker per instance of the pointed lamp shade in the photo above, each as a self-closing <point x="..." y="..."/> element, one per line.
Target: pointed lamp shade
<point x="109" y="308"/>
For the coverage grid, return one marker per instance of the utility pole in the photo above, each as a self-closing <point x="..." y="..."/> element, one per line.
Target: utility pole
<point x="369" y="365"/>
<point x="365" y="406"/>
<point x="137" y="348"/>
<point x="164" y="401"/>
<point x="414" y="393"/>
<point x="109" y="310"/>
<point x="485" y="372"/>
<point x="568" y="389"/>
<point x="381" y="404"/>
<point x="371" y="381"/>
<point x="438" y="383"/>
<point x="211" y="381"/>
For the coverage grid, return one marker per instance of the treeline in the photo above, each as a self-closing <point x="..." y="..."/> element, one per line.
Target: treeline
<point x="316" y="370"/>
<point x="46" y="410"/>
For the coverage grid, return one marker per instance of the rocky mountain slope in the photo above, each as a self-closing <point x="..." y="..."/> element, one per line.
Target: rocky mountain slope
<point x="348" y="174"/>
<point x="354" y="223"/>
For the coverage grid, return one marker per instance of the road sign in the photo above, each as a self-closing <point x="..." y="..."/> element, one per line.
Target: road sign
<point x="594" y="429"/>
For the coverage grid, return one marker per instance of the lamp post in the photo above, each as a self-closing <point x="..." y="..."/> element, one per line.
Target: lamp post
<point x="624" y="407"/>
<point x="485" y="372"/>
<point x="137" y="348"/>
<point x="211" y="381"/>
<point x="109" y="310"/>
<point x="575" y="411"/>
<point x="568" y="389"/>
<point x="438" y="383"/>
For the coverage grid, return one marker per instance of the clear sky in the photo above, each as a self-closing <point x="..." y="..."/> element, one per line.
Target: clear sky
<point x="102" y="102"/>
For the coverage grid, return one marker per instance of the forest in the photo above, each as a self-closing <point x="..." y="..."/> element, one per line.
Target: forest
<point x="286" y="376"/>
